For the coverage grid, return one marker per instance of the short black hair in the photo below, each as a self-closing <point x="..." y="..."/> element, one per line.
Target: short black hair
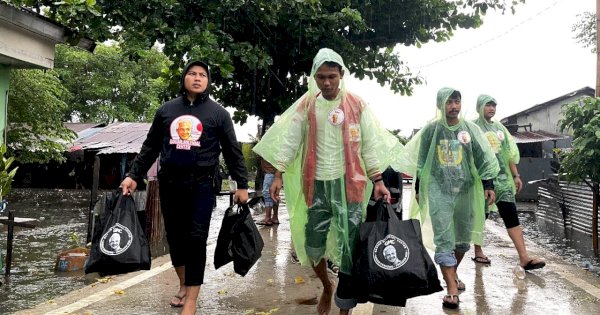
<point x="455" y="95"/>
<point x="333" y="65"/>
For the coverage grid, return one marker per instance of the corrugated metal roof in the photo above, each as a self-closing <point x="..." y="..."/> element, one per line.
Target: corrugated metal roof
<point x="586" y="91"/>
<point x="536" y="136"/>
<point x="121" y="137"/>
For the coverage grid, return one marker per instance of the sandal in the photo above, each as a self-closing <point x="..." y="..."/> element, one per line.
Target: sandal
<point x="265" y="223"/>
<point x="531" y="265"/>
<point x="333" y="267"/>
<point x="448" y="301"/>
<point x="178" y="304"/>
<point x="460" y="285"/>
<point x="482" y="260"/>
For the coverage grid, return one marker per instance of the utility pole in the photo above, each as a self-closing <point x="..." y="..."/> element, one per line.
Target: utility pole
<point x="597" y="49"/>
<point x="595" y="186"/>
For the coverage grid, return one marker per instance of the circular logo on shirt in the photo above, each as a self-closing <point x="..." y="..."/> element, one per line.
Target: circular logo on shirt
<point x="464" y="137"/>
<point x="186" y="127"/>
<point x="500" y="135"/>
<point x="390" y="253"/>
<point x="336" y="116"/>
<point x="116" y="240"/>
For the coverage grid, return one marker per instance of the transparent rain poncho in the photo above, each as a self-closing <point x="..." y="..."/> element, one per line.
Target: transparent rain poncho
<point x="505" y="148"/>
<point x="449" y="162"/>
<point x="327" y="151"/>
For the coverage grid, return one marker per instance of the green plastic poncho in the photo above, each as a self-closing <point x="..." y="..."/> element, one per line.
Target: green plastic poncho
<point x="310" y="144"/>
<point x="505" y="148"/>
<point x="450" y="162"/>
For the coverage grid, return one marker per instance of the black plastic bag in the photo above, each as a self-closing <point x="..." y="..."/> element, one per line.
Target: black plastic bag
<point x="122" y="245"/>
<point x="239" y="240"/>
<point x="392" y="265"/>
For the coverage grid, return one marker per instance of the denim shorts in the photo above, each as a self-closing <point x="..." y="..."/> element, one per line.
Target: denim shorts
<point x="265" y="191"/>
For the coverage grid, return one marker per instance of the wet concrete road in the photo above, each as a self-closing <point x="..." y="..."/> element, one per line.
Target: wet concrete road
<point x="276" y="285"/>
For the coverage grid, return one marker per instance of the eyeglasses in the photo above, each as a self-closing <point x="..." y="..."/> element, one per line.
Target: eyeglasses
<point x="200" y="74"/>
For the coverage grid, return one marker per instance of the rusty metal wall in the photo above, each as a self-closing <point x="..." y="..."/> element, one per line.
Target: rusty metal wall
<point x="570" y="203"/>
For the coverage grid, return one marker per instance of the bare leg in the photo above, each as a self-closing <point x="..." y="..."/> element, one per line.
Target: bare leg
<point x="324" y="306"/>
<point x="459" y="257"/>
<point x="478" y="251"/>
<point x="180" y="271"/>
<point x="516" y="235"/>
<point x="449" y="274"/>
<point x="345" y="312"/>
<point x="189" y="308"/>
<point x="267" y="218"/>
<point x="275" y="215"/>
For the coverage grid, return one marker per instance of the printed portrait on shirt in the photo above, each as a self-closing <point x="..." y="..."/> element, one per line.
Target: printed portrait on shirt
<point x="185" y="132"/>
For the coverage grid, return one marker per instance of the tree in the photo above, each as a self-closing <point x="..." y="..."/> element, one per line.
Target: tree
<point x="261" y="50"/>
<point x="582" y="162"/>
<point x="585" y="30"/>
<point x="36" y="108"/>
<point x="108" y="86"/>
<point x="105" y="86"/>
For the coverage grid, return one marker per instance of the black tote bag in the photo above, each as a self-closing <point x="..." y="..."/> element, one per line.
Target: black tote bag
<point x="392" y="265"/>
<point x="239" y="240"/>
<point x="121" y="246"/>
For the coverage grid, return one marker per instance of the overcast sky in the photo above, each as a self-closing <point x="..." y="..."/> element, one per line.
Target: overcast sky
<point x="522" y="60"/>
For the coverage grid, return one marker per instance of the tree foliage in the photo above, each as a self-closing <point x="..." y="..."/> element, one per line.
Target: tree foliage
<point x="108" y="86"/>
<point x="582" y="118"/>
<point x="105" y="86"/>
<point x="261" y="50"/>
<point x="585" y="30"/>
<point x="36" y="108"/>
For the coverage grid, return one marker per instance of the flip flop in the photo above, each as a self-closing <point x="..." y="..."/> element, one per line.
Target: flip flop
<point x="268" y="223"/>
<point x="448" y="301"/>
<point x="275" y="222"/>
<point x="530" y="265"/>
<point x="180" y="304"/>
<point x="482" y="260"/>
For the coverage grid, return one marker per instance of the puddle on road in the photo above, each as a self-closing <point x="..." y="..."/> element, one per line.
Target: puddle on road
<point x="64" y="212"/>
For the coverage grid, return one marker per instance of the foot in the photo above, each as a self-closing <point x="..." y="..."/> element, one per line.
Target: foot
<point x="333" y="267"/>
<point x="533" y="264"/>
<point x="265" y="223"/>
<point x="189" y="309"/>
<point x="177" y="301"/>
<point x="274" y="221"/>
<point x="294" y="257"/>
<point x="460" y="285"/>
<point x="451" y="301"/>
<point x="481" y="259"/>
<point x="324" y="306"/>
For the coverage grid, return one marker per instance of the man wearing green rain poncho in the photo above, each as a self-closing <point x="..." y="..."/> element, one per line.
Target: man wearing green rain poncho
<point x="452" y="161"/>
<point x="330" y="148"/>
<point x="507" y="183"/>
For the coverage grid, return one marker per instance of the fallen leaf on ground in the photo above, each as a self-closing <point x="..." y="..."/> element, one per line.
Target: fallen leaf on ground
<point x="222" y="291"/>
<point x="50" y="302"/>
<point x="119" y="292"/>
<point x="271" y="311"/>
<point x="104" y="280"/>
<point x="269" y="281"/>
<point x="298" y="280"/>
